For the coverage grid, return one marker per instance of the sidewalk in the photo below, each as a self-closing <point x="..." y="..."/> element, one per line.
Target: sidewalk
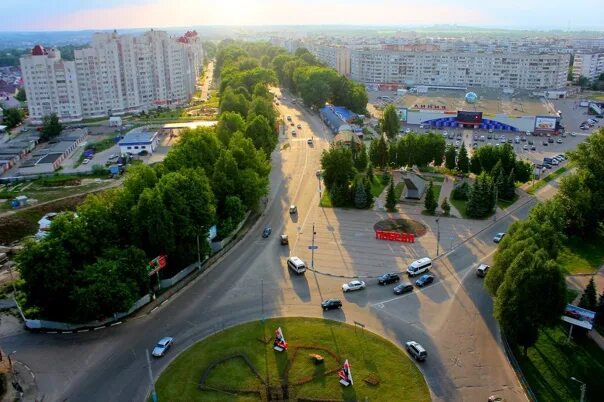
<point x="445" y="191"/>
<point x="579" y="282"/>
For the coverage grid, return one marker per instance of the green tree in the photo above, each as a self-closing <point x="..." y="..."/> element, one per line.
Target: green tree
<point x="589" y="298"/>
<point x="481" y="201"/>
<point x="12" y="117"/>
<point x="475" y="164"/>
<point x="390" y="122"/>
<point x="379" y="152"/>
<point x="196" y="148"/>
<point x="519" y="313"/>
<point x="510" y="187"/>
<point x="233" y="213"/>
<point x="110" y="285"/>
<point x="21" y="96"/>
<point x="463" y="163"/>
<point x="583" y="81"/>
<point x="360" y="158"/>
<point x="430" y="201"/>
<point x="360" y="195"/>
<point x="261" y="134"/>
<point x="232" y="102"/>
<point x="50" y="127"/>
<point x="446" y="207"/>
<point x="450" y="156"/>
<point x="228" y="124"/>
<point x="338" y="168"/>
<point x="370" y="172"/>
<point x="262" y="107"/>
<point x="391" y="197"/>
<point x="461" y="191"/>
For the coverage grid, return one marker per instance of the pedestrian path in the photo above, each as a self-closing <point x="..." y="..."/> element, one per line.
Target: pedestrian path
<point x="445" y="191"/>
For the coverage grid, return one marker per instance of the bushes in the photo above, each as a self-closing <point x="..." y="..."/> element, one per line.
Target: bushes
<point x="461" y="191"/>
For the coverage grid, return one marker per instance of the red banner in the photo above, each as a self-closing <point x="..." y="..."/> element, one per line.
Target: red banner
<point x="395" y="236"/>
<point x="157" y="264"/>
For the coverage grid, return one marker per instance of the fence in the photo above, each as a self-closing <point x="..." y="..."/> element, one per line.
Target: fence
<point x="510" y="354"/>
<point x="64" y="326"/>
<point x="174" y="284"/>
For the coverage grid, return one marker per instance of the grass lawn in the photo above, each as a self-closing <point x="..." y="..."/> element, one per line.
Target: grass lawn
<point x="377" y="186"/>
<point x="325" y="200"/>
<point x="505" y="203"/>
<point x="549" y="365"/>
<point x="437" y="188"/>
<point x="460" y="205"/>
<point x="102" y="145"/>
<point x="399" y="379"/>
<point x="398" y="190"/>
<point x="580" y="255"/>
<point x="546" y="179"/>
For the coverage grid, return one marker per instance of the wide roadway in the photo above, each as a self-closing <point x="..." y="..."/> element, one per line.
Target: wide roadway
<point x="452" y="318"/>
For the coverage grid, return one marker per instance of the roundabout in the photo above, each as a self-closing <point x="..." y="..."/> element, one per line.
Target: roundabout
<point x="240" y="364"/>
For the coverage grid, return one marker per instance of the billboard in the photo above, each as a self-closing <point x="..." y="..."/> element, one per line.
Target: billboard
<point x="469" y="117"/>
<point x="578" y="316"/>
<point x="545" y="123"/>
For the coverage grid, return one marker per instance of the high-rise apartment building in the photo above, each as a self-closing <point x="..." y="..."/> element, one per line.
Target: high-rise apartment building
<point x="426" y="65"/>
<point x="589" y="65"/>
<point x="51" y="85"/>
<point x="493" y="70"/>
<point x="121" y="74"/>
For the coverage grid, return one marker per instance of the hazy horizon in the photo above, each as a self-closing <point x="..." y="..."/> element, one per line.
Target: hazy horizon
<point x="78" y="15"/>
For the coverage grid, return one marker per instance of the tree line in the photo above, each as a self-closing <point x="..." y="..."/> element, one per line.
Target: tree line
<point x="94" y="263"/>
<point x="526" y="279"/>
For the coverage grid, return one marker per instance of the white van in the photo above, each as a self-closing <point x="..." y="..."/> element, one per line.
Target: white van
<point x="296" y="265"/>
<point x="419" y="266"/>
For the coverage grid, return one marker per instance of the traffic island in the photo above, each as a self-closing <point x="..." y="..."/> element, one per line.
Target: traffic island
<point x="401" y="225"/>
<point x="237" y="365"/>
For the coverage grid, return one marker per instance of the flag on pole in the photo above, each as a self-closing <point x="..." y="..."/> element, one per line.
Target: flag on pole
<point x="345" y="374"/>
<point x="279" y="344"/>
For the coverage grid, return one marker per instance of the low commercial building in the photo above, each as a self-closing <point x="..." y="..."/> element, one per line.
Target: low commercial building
<point x="139" y="140"/>
<point x="337" y="118"/>
<point x="49" y="159"/>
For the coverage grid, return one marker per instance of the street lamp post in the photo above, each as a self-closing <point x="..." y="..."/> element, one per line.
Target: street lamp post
<point x="583" y="388"/>
<point x="437" y="236"/>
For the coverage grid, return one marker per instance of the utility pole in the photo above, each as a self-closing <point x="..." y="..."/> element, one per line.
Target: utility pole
<point x="198" y="254"/>
<point x="583" y="388"/>
<point x="312" y="258"/>
<point x="437" y="236"/>
<point x="153" y="393"/>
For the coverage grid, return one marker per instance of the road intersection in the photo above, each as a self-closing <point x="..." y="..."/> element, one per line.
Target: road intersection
<point x="452" y="318"/>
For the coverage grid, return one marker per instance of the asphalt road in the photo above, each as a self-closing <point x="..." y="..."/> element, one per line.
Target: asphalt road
<point x="452" y="318"/>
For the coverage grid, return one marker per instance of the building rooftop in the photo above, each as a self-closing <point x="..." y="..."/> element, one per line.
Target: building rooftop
<point x="138" y="136"/>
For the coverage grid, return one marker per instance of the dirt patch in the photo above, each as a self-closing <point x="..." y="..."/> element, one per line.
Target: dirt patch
<point x="24" y="223"/>
<point x="401" y="226"/>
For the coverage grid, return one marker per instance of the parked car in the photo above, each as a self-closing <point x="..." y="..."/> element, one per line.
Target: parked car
<point x="525" y="147"/>
<point x="85" y="161"/>
<point x="267" y="232"/>
<point x="482" y="269"/>
<point x="284" y="240"/>
<point x="544" y="143"/>
<point x="388" y="278"/>
<point x="533" y="148"/>
<point x="407" y="130"/>
<point x="498" y="237"/>
<point x="550" y="140"/>
<point x="573" y="134"/>
<point x="403" y="288"/>
<point x="416" y="350"/>
<point x="424" y="280"/>
<point x="353" y="285"/>
<point x="162" y="346"/>
<point x="331" y="304"/>
<point x="559" y="141"/>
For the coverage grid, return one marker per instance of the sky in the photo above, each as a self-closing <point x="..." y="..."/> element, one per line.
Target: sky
<point x="57" y="15"/>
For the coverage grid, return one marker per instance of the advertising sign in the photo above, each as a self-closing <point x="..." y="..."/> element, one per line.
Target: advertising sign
<point x="545" y="123"/>
<point x="579" y="316"/>
<point x="469" y="117"/>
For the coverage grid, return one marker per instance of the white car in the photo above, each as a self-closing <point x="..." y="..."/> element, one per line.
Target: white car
<point x="445" y="133"/>
<point x="85" y="161"/>
<point x="353" y="285"/>
<point x="407" y="130"/>
<point x="573" y="134"/>
<point x="162" y="346"/>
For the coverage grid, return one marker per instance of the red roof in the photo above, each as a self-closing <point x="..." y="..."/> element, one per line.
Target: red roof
<point x="191" y="34"/>
<point x="38" y="50"/>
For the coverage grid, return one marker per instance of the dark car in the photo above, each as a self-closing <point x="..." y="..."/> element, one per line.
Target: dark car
<point x="403" y="288"/>
<point x="424" y="280"/>
<point x="388" y="278"/>
<point x="533" y="148"/>
<point x="331" y="304"/>
<point x="550" y="140"/>
<point x="266" y="232"/>
<point x="530" y="142"/>
<point x="544" y="143"/>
